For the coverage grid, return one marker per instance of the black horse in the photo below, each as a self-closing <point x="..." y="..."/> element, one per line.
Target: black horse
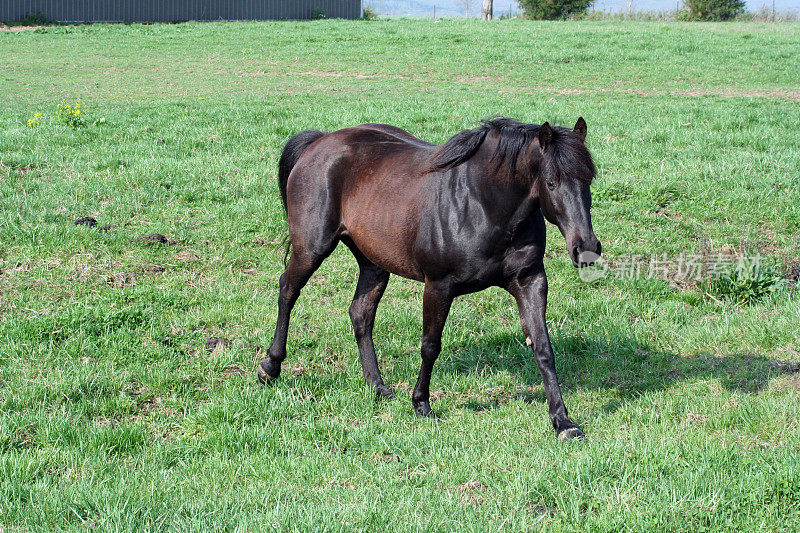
<point x="460" y="217"/>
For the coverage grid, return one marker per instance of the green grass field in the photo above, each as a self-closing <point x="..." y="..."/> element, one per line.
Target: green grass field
<point x="113" y="415"/>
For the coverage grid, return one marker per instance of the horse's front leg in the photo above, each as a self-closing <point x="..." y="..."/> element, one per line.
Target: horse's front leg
<point x="531" y="295"/>
<point x="436" y="301"/>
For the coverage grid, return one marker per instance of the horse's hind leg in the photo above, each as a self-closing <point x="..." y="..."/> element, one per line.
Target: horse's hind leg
<point x="302" y="264"/>
<point x="372" y="281"/>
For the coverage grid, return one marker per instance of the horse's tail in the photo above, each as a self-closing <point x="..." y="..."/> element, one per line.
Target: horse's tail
<point x="291" y="153"/>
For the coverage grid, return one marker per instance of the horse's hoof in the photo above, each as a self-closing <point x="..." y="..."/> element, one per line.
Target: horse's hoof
<point x="423" y="409"/>
<point x="573" y="433"/>
<point x="267" y="371"/>
<point x="384" y="391"/>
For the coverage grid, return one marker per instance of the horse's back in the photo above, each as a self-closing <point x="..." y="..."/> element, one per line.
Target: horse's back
<point x="397" y="132"/>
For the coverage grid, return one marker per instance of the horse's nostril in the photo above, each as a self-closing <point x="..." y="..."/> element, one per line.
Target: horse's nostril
<point x="584" y="256"/>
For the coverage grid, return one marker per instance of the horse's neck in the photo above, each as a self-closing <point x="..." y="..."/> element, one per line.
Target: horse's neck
<point x="506" y="196"/>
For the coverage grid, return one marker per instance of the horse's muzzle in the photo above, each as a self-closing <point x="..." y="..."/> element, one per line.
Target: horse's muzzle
<point x="586" y="253"/>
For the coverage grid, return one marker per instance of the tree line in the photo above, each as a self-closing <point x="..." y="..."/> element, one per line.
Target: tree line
<point x="564" y="9"/>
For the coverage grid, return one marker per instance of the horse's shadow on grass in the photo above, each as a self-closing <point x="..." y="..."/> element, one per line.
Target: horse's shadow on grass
<point x="621" y="364"/>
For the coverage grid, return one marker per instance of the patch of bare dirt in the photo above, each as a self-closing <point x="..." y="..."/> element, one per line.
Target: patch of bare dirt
<point x="104" y="421"/>
<point x="149" y="268"/>
<point x="786" y="367"/>
<point x="401" y="386"/>
<point x="120" y="279"/>
<point x="499" y="393"/>
<point x="537" y="508"/>
<point x="91" y="268"/>
<point x="230" y="372"/>
<point x="471" y="491"/>
<point x="332" y="359"/>
<point x="696" y="418"/>
<point x="484" y="77"/>
<point x="341" y="483"/>
<point x="666" y="214"/>
<point x="793" y="271"/>
<point x="329" y="363"/>
<point x="24" y="437"/>
<point x="771" y="94"/>
<point x="22" y="267"/>
<point x="321" y="73"/>
<point x="3" y="27"/>
<point x="155" y="238"/>
<point x="793" y="382"/>
<point x="188" y="349"/>
<point x="385" y="457"/>
<point x="298" y="369"/>
<point x="187" y="257"/>
<point x="215" y="345"/>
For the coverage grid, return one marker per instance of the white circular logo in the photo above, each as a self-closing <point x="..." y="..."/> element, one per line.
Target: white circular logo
<point x="593" y="267"/>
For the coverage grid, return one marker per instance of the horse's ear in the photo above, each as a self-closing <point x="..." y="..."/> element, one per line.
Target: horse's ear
<point x="545" y="136"/>
<point x="580" y="128"/>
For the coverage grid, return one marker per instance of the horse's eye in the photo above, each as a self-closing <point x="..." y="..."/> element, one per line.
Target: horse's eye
<point x="551" y="184"/>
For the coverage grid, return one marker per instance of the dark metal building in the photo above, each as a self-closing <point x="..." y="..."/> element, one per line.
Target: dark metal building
<point x="177" y="10"/>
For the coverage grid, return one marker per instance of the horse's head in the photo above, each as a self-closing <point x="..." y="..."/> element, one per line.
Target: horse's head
<point x="566" y="170"/>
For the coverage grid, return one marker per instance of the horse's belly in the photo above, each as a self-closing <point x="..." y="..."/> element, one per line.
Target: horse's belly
<point x="387" y="255"/>
<point x="380" y="212"/>
<point x="385" y="239"/>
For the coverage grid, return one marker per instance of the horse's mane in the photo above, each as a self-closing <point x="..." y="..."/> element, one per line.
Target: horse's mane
<point x="567" y="151"/>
